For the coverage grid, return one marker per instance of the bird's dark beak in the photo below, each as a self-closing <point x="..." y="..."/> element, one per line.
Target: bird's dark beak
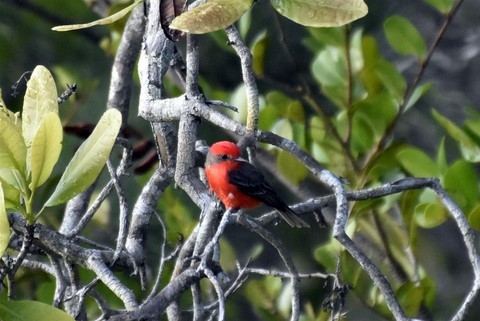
<point x="241" y="159"/>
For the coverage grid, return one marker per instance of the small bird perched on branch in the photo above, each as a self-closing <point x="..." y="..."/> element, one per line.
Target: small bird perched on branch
<point x="240" y="185"/>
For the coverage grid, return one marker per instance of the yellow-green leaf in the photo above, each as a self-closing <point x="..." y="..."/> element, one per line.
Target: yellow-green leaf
<point x="13" y="178"/>
<point x="7" y="114"/>
<point x="417" y="163"/>
<point x="104" y="21"/>
<point x="321" y="13"/>
<point x="444" y="6"/>
<point x="411" y="296"/>
<point x="31" y="310"/>
<point x="327" y="255"/>
<point x="291" y="168"/>
<point x="12" y="147"/>
<point x="11" y="194"/>
<point x="430" y="215"/>
<point x="461" y="182"/>
<point x="474" y="218"/>
<point x="2" y="103"/>
<point x="283" y="127"/>
<point x="40" y="99"/>
<point x="211" y="16"/>
<point x="469" y="148"/>
<point x="4" y="225"/>
<point x="259" y="49"/>
<point x="46" y="148"/>
<point x="404" y="37"/>
<point x="89" y="159"/>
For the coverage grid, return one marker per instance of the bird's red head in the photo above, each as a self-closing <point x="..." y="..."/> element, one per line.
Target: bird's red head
<point x="225" y="148"/>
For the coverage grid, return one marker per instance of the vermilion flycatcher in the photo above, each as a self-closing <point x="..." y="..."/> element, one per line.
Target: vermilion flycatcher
<point x="239" y="184"/>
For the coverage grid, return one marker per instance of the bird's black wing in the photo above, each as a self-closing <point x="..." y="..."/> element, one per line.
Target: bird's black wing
<point x="251" y="182"/>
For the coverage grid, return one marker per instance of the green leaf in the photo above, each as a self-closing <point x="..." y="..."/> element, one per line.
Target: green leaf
<point x="268" y="115"/>
<point x="319" y="153"/>
<point x="379" y="75"/>
<point x="280" y="108"/>
<point x="470" y="150"/>
<point x="474" y="218"/>
<point x="244" y="24"/>
<point x="284" y="300"/>
<point x="408" y="201"/>
<point x="471" y="126"/>
<point x="4" y="224"/>
<point x="13" y="151"/>
<point x="40" y="99"/>
<point x="7" y="114"/>
<point x="300" y="134"/>
<point x="391" y="79"/>
<point x="46" y="148"/>
<point x="418" y="92"/>
<point x="321" y="13"/>
<point x="356" y="53"/>
<point x="404" y="37"/>
<point x="386" y="168"/>
<point x="352" y="273"/>
<point x="3" y="106"/>
<point x="327" y="255"/>
<point x="461" y="182"/>
<point x="104" y="21"/>
<point x="317" y="129"/>
<point x="14" y="178"/>
<point x="238" y="98"/>
<point x="278" y="100"/>
<point x="444" y="6"/>
<point x="410" y="296"/>
<point x="211" y="16"/>
<point x="329" y="68"/>
<point x="259" y="48"/>
<point x="291" y="168"/>
<point x="31" y="311"/>
<point x="430" y="215"/>
<point x="380" y="109"/>
<point x="262" y="293"/>
<point x="283" y="128"/>
<point x="295" y="111"/>
<point x="89" y="159"/>
<point x="363" y="131"/>
<point x="325" y="36"/>
<point x="417" y="163"/>
<point x="441" y="160"/>
<point x="11" y="194"/>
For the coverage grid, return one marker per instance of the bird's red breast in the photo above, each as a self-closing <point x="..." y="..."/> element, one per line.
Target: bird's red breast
<point x="228" y="193"/>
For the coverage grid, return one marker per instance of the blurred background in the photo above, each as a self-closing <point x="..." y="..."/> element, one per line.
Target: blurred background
<point x="85" y="57"/>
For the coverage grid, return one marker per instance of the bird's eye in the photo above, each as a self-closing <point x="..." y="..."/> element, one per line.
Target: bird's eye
<point x="224" y="156"/>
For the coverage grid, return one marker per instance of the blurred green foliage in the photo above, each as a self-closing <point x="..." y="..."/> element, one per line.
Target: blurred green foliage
<point x="336" y="93"/>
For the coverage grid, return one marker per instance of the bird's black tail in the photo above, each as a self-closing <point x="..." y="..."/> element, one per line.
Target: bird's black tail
<point x="292" y="218"/>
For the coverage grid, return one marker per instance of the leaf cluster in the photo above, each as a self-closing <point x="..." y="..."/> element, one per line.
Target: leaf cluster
<point x="31" y="143"/>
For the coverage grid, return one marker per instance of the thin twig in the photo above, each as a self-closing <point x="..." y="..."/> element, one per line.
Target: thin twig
<point x="123" y="215"/>
<point x="246" y="60"/>
<point x="208" y="251"/>
<point x="158" y="278"/>
<point x="285" y="275"/>
<point x="218" y="289"/>
<point x="27" y="242"/>
<point x="286" y="258"/>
